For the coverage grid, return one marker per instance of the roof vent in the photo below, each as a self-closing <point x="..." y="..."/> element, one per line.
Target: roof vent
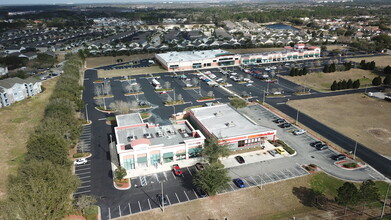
<point x="230" y="124"/>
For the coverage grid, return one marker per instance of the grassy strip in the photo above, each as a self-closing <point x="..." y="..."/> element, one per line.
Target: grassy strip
<point x="284" y="145"/>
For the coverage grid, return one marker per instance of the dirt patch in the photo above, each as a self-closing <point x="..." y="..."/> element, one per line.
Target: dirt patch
<point x="131" y="71"/>
<point x="254" y="50"/>
<point x="323" y="81"/>
<point x="93" y="62"/>
<point x="381" y="61"/>
<point x="274" y="201"/>
<point x="357" y="116"/>
<point x="336" y="47"/>
<point x="17" y="123"/>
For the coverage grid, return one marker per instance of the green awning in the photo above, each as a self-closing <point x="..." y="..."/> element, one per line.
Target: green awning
<point x="168" y="155"/>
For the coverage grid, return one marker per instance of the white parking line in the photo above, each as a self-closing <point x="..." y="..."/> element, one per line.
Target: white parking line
<point x="195" y="193"/>
<point x="173" y="175"/>
<point x="84" y="177"/>
<point x="139" y="206"/>
<point x="87" y="191"/>
<point x="130" y="209"/>
<point x="109" y="214"/>
<point x="186" y="196"/>
<point x="177" y="197"/>
<point x="246" y="182"/>
<point x="189" y="171"/>
<point x="232" y="187"/>
<point x="254" y="179"/>
<point x="119" y="210"/>
<point x="86" y="181"/>
<point x="87" y="168"/>
<point x="291" y="173"/>
<point x="157" y="178"/>
<point x="84" y="186"/>
<point x="83" y="173"/>
<point x="269" y="177"/>
<point x="168" y="200"/>
<point x="149" y="204"/>
<point x="284" y="174"/>
<point x="165" y="176"/>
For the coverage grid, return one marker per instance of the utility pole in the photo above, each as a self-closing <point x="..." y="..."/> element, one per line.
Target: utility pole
<point x="354" y="152"/>
<point x="385" y="201"/>
<point x="297" y="117"/>
<point x="87" y="113"/>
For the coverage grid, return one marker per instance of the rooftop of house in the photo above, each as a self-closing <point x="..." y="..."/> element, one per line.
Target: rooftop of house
<point x="225" y="122"/>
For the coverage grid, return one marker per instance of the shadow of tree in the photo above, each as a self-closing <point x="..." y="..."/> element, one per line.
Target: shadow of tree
<point x="310" y="197"/>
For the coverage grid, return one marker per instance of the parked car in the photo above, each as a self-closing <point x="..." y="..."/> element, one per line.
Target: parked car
<point x="249" y="84"/>
<point x="228" y="85"/>
<point x="280" y="150"/>
<point x="313" y="144"/>
<point x="321" y="147"/>
<point x="80" y="161"/>
<point x="177" y="170"/>
<point x="162" y="199"/>
<point x="240" y="159"/>
<point x="163" y="92"/>
<point x="338" y="157"/>
<point x="239" y="183"/>
<point x="299" y="131"/>
<point x="285" y="125"/>
<point x="279" y="120"/>
<point x="272" y="152"/>
<point x="201" y="192"/>
<point x="199" y="166"/>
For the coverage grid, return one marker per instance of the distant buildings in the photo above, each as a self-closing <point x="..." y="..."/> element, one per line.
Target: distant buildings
<point x="15" y="89"/>
<point x="188" y="60"/>
<point x="3" y="70"/>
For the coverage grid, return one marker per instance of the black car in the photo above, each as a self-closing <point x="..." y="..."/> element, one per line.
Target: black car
<point x="285" y="125"/>
<point x="321" y="147"/>
<point x="240" y="159"/>
<point x="338" y="157"/>
<point x="279" y="120"/>
<point x="201" y="192"/>
<point x="162" y="199"/>
<point x="316" y="143"/>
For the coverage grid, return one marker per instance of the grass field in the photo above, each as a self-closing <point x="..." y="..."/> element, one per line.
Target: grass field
<point x="336" y="47"/>
<point x="130" y="71"/>
<point x="357" y="116"/>
<point x="18" y="122"/>
<point x="323" y="81"/>
<point x="381" y="61"/>
<point x="254" y="50"/>
<point x="93" y="62"/>
<point x="273" y="201"/>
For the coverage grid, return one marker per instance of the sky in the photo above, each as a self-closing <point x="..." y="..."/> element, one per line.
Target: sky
<point x="50" y="2"/>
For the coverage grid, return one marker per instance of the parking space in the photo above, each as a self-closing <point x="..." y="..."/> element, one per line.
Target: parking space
<point x="85" y="140"/>
<point x="83" y="172"/>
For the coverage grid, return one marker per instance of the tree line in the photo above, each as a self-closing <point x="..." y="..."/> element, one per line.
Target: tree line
<point x="343" y="84"/>
<point x="367" y="65"/>
<point x="298" y="72"/>
<point x="43" y="184"/>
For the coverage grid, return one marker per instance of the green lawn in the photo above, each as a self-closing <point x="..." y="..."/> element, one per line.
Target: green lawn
<point x="325" y="184"/>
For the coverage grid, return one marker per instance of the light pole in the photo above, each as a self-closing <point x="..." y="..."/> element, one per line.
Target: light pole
<point x="87" y="112"/>
<point x="263" y="99"/>
<point x="385" y="201"/>
<point x="354" y="152"/>
<point x="162" y="198"/>
<point x="297" y="117"/>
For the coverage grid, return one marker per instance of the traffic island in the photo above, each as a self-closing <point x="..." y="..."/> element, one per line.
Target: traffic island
<point x="349" y="164"/>
<point x="123" y="184"/>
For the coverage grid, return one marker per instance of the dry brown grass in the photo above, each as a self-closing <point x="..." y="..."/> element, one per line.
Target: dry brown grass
<point x="336" y="47"/>
<point x="356" y="116"/>
<point x="18" y="122"/>
<point x="323" y="81"/>
<point x="274" y="201"/>
<point x="254" y="50"/>
<point x="131" y="71"/>
<point x="93" y="62"/>
<point x="381" y="61"/>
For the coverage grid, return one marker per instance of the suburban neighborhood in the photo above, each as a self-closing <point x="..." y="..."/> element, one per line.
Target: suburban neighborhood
<point x="195" y="110"/>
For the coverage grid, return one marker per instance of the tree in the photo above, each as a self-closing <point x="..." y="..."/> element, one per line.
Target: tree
<point x="167" y="84"/>
<point x="300" y="72"/>
<point x="326" y="68"/>
<point x="376" y="81"/>
<point x="368" y="193"/>
<point x="136" y="88"/>
<point x="179" y="97"/>
<point x="371" y="65"/>
<point x="121" y="107"/>
<point x="363" y="65"/>
<point x="387" y="70"/>
<point x="48" y="185"/>
<point x="210" y="94"/>
<point x="212" y="179"/>
<point x="347" y="194"/>
<point x="387" y="80"/>
<point x="84" y="202"/>
<point x="195" y="81"/>
<point x="356" y="84"/>
<point x="213" y="150"/>
<point x="238" y="103"/>
<point x="332" y="67"/>
<point x="344" y="84"/>
<point x="339" y="85"/>
<point x="305" y="71"/>
<point x="349" y="84"/>
<point x="120" y="173"/>
<point x="292" y="72"/>
<point x="334" y="86"/>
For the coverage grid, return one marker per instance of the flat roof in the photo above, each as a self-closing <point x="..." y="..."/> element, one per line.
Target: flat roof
<point x="129" y="119"/>
<point x="225" y="122"/>
<point x="175" y="56"/>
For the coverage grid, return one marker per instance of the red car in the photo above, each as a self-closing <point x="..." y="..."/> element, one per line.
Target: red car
<point x="177" y="170"/>
<point x="164" y="92"/>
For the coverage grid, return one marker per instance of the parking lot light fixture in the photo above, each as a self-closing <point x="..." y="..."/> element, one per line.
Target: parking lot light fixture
<point x="354" y="152"/>
<point x="297" y="117"/>
<point x="87" y="113"/>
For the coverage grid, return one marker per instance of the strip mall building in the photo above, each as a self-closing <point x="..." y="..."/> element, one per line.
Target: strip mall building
<point x="190" y="60"/>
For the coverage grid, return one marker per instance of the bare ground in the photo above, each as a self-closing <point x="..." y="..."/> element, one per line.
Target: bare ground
<point x="356" y="116"/>
<point x="131" y="71"/>
<point x="93" y="62"/>
<point x="18" y="122"/>
<point x="323" y="81"/>
<point x="274" y="201"/>
<point x="381" y="61"/>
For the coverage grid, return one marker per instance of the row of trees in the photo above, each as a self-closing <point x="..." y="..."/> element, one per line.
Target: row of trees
<point x="377" y="81"/>
<point x="387" y="70"/>
<point x="298" y="72"/>
<point x="329" y="68"/>
<point x="343" y="84"/>
<point x="367" y="66"/>
<point x="43" y="184"/>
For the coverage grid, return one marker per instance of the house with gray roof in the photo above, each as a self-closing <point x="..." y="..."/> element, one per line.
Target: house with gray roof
<point x="15" y="89"/>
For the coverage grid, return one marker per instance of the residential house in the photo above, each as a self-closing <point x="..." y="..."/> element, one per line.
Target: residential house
<point x="3" y="70"/>
<point x="15" y="89"/>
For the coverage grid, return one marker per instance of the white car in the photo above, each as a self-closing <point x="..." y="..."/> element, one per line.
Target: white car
<point x="228" y="85"/>
<point x="248" y="85"/>
<point x="80" y="161"/>
<point x="298" y="132"/>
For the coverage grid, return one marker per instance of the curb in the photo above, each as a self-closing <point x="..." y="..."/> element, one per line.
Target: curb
<point x="118" y="188"/>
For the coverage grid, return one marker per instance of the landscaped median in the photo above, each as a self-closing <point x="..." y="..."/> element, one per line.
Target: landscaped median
<point x="133" y="93"/>
<point x="206" y="98"/>
<point x="101" y="81"/>
<point x="103" y="96"/>
<point x="191" y="87"/>
<point x="176" y="102"/>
